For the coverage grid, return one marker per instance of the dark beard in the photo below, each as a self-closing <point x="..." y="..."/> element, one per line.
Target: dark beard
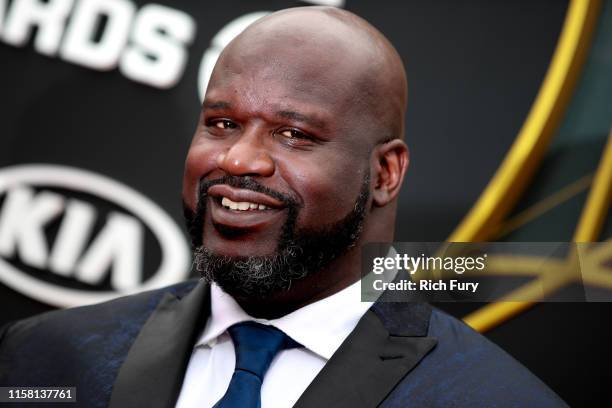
<point x="299" y="253"/>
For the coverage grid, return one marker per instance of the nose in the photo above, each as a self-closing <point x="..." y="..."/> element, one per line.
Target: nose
<point x="246" y="157"/>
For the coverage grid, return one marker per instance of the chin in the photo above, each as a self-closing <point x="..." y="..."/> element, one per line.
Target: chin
<point x="240" y="247"/>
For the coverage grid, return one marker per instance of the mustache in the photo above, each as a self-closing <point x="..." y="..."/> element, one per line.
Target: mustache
<point x="247" y="183"/>
<point x="194" y="218"/>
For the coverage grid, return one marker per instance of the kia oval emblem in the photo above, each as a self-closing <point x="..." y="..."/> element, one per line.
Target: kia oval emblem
<point x="71" y="237"/>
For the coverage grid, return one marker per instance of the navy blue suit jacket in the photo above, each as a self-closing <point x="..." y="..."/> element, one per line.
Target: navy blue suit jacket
<point x="133" y="352"/>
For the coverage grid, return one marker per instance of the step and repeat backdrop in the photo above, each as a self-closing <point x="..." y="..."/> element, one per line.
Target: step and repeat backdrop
<point x="99" y="100"/>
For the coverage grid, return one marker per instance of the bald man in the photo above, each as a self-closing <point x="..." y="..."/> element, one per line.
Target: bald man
<point x="296" y="163"/>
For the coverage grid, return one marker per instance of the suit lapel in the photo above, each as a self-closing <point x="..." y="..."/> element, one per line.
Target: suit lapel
<point x="153" y="371"/>
<point x="387" y="343"/>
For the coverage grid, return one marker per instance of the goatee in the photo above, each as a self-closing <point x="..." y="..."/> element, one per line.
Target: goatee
<point x="299" y="253"/>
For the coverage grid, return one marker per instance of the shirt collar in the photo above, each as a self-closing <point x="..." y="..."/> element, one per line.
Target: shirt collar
<point x="321" y="326"/>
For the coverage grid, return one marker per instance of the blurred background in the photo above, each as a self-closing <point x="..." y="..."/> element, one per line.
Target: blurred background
<point x="510" y="111"/>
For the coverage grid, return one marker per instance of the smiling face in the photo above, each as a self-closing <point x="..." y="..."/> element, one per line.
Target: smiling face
<point x="284" y="145"/>
<point x="285" y="117"/>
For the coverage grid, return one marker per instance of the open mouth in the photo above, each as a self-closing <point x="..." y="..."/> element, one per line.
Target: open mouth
<point x="244" y="209"/>
<point x="239" y="199"/>
<point x="242" y="205"/>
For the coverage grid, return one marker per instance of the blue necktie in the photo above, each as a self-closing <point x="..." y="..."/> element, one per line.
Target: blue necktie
<point x="255" y="345"/>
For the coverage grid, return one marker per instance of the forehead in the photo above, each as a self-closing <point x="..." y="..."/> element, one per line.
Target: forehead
<point x="291" y="69"/>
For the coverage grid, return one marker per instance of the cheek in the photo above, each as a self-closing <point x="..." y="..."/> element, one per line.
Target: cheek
<point x="201" y="160"/>
<point x="328" y="190"/>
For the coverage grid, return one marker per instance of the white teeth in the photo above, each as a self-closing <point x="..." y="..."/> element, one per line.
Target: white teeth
<point x="241" y="206"/>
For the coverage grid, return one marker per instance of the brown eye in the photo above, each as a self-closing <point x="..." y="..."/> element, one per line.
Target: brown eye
<point x="295" y="138"/>
<point x="293" y="134"/>
<point x="225" y="124"/>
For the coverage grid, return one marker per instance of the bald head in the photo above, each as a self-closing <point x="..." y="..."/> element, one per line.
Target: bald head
<point x="329" y="51"/>
<point x="298" y="154"/>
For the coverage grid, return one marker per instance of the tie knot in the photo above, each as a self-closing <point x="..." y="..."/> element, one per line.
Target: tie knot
<point x="256" y="345"/>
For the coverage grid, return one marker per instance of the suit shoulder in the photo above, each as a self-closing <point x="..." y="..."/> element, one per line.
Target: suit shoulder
<point x="83" y="345"/>
<point x="484" y="369"/>
<point x="98" y="318"/>
<point x="473" y="369"/>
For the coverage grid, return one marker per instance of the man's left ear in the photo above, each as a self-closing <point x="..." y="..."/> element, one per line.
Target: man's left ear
<point x="390" y="164"/>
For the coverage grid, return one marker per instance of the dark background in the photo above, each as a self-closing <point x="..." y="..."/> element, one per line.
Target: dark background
<point x="474" y="68"/>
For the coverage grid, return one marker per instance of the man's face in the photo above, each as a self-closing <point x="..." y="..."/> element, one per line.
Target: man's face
<point x="280" y="150"/>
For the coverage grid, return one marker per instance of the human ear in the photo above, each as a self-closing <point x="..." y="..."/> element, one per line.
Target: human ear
<point x="390" y="164"/>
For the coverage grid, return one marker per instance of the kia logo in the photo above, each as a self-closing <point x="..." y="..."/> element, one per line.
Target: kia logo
<point x="49" y="222"/>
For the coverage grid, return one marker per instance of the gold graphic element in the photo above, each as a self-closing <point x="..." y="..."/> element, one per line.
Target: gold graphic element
<point x="554" y="277"/>
<point x="598" y="201"/>
<point x="511" y="178"/>
<point x="517" y="169"/>
<point x="545" y="205"/>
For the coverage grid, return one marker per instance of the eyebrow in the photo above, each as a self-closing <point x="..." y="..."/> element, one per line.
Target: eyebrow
<point x="284" y="114"/>
<point x="300" y="117"/>
<point x="216" y="105"/>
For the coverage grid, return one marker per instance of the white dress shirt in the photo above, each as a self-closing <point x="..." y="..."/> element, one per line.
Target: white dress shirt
<point x="320" y="327"/>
